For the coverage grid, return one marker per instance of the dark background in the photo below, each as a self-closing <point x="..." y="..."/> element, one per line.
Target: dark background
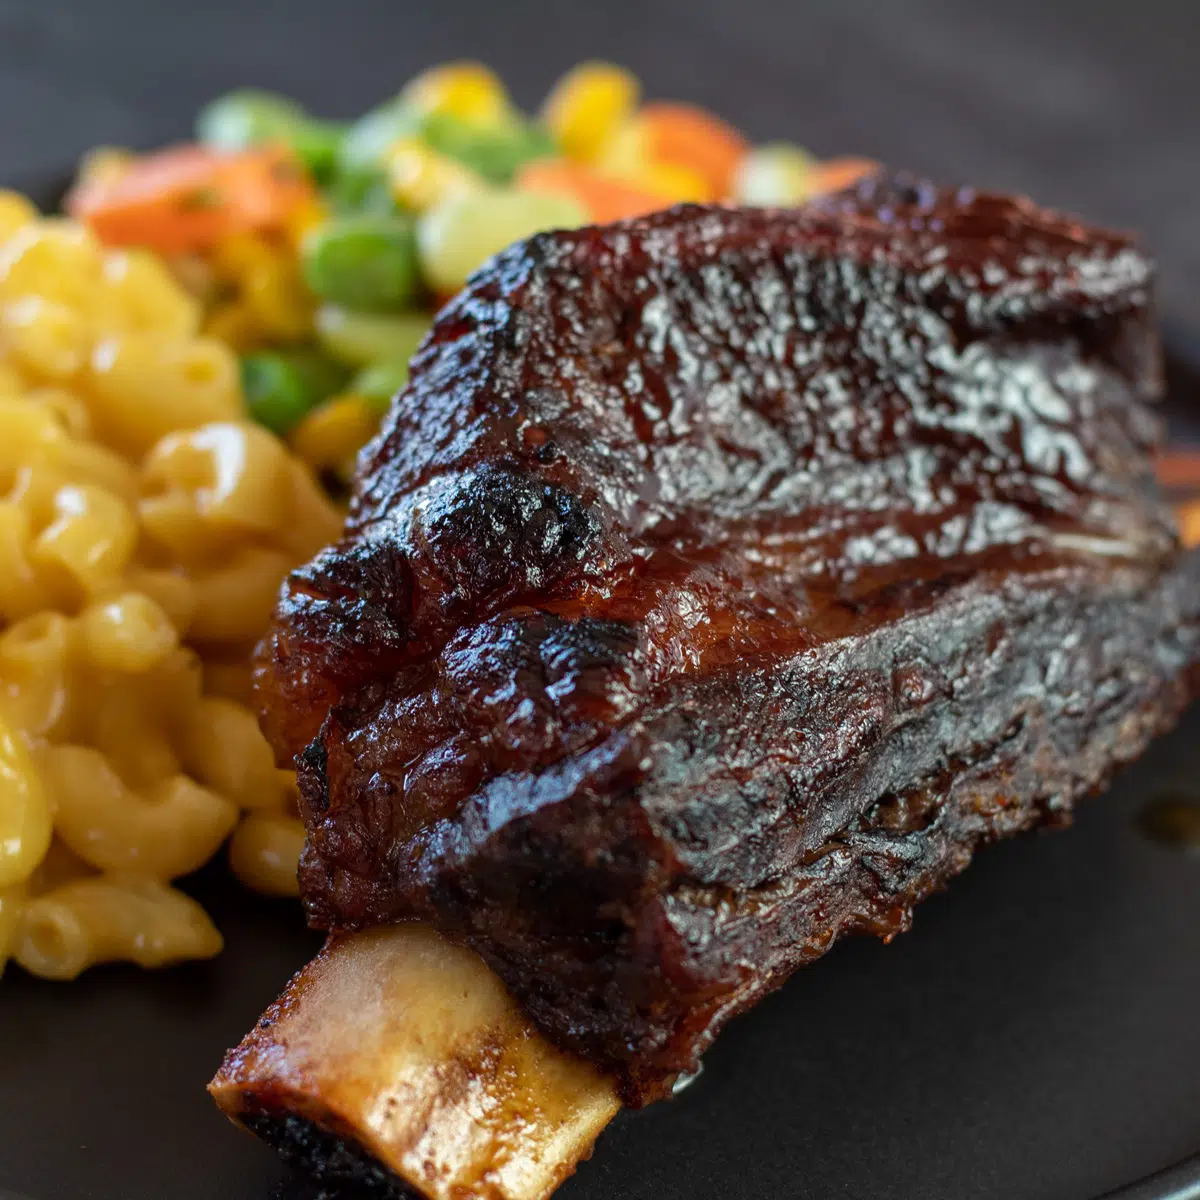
<point x="1088" y="104"/>
<point x="1038" y="1034"/>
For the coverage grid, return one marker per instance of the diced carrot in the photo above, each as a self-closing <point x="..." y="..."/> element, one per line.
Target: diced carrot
<point x="605" y="198"/>
<point x="187" y="198"/>
<point x="837" y="173"/>
<point x="692" y="137"/>
<point x="1188" y="516"/>
<point x="1178" y="468"/>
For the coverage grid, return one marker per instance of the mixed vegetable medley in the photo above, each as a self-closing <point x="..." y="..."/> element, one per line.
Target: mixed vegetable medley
<point x="319" y="250"/>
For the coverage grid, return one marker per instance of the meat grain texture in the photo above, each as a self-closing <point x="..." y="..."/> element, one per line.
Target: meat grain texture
<point x="720" y="581"/>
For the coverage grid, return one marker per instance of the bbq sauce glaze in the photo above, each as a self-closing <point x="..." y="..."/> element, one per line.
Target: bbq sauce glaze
<point x="721" y="581"/>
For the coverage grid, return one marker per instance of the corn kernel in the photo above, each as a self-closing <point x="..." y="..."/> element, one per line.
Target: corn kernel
<point x="624" y="152"/>
<point x="12" y="382"/>
<point x="15" y="212"/>
<point x="105" y="164"/>
<point x="333" y="433"/>
<point x="279" y="301"/>
<point x="773" y="175"/>
<point x="586" y="107"/>
<point x="195" y="275"/>
<point x="466" y="90"/>
<point x="237" y="255"/>
<point x="305" y="217"/>
<point x="421" y="177"/>
<point x="1189" y="523"/>
<point x="675" y="182"/>
<point x="235" y="324"/>
<point x="455" y="238"/>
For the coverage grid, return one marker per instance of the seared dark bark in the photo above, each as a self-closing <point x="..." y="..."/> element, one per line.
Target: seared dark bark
<point x="720" y="581"/>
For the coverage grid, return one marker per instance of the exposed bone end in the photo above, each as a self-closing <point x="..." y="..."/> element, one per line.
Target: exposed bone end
<point x="398" y="1059"/>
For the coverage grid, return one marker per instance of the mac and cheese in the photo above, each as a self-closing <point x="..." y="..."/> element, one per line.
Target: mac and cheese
<point x="145" y="526"/>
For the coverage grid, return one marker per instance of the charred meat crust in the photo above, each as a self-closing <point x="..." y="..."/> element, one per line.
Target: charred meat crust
<point x="332" y="1159"/>
<point x="721" y="580"/>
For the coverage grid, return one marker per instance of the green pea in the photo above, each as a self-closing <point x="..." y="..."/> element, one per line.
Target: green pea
<point x="494" y="151"/>
<point x="246" y="118"/>
<point x="367" y="139"/>
<point x="365" y="262"/>
<point x="379" y="382"/>
<point x="281" y="386"/>
<point x="360" y="339"/>
<point x="460" y="235"/>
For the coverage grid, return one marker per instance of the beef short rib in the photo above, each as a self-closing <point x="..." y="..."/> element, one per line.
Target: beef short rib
<point x="720" y="581"/>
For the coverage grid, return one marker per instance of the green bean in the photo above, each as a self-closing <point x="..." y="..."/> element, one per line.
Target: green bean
<point x="494" y="151"/>
<point x="777" y="173"/>
<point x="367" y="139"/>
<point x="281" y="387"/>
<point x="364" y="262"/>
<point x="459" y="235"/>
<point x="246" y="118"/>
<point x="360" y="339"/>
<point x="250" y="118"/>
<point x="379" y="382"/>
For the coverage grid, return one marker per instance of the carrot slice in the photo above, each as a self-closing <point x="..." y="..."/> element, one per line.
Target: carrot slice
<point x="187" y="198"/>
<point x="682" y="133"/>
<point x="605" y="199"/>
<point x="837" y="173"/>
<point x="1188" y="516"/>
<point x="1178" y="468"/>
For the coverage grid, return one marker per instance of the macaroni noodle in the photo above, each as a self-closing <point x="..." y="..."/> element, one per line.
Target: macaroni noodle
<point x="109" y="917"/>
<point x="145" y="527"/>
<point x="173" y="829"/>
<point x="25" y="823"/>
<point x="264" y="850"/>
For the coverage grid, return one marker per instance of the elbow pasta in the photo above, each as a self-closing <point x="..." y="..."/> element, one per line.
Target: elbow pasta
<point x="25" y="820"/>
<point x="171" y="830"/>
<point x="111" y="917"/>
<point x="145" y="527"/>
<point x="264" y="851"/>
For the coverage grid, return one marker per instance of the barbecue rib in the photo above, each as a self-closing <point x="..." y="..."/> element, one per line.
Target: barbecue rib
<point x="720" y="581"/>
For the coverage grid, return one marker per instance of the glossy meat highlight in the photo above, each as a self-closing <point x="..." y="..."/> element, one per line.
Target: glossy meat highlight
<point x="719" y="582"/>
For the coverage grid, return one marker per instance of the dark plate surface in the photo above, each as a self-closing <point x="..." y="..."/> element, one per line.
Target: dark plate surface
<point x="1037" y="1035"/>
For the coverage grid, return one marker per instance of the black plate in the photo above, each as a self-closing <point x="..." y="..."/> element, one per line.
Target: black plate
<point x="1036" y="1036"/>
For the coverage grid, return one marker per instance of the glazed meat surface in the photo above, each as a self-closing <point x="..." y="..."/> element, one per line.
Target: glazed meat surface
<point x="720" y="581"/>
